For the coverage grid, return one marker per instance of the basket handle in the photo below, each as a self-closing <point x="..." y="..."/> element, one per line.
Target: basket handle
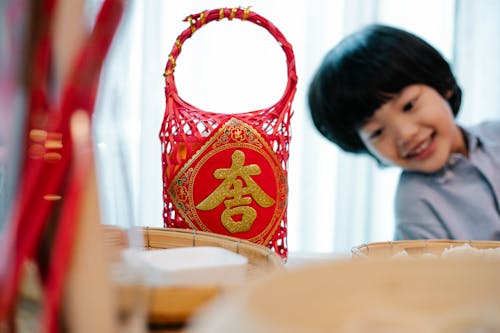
<point x="196" y="21"/>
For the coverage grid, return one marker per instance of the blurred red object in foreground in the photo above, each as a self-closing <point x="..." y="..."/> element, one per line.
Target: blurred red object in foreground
<point x="56" y="166"/>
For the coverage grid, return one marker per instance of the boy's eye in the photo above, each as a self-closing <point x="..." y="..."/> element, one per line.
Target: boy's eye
<point x="408" y="106"/>
<point x="375" y="133"/>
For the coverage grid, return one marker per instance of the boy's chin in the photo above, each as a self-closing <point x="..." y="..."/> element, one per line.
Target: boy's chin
<point x="430" y="166"/>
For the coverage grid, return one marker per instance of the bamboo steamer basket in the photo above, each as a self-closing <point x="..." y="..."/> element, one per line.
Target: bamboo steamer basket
<point x="416" y="248"/>
<point x="359" y="296"/>
<point x="174" y="305"/>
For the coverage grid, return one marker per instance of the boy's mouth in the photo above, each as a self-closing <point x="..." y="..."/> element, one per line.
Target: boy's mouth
<point x="422" y="149"/>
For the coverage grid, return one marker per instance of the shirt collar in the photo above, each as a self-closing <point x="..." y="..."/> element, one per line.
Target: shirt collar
<point x="474" y="143"/>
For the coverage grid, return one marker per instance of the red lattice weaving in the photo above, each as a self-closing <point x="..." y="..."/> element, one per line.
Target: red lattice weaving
<point x="227" y="173"/>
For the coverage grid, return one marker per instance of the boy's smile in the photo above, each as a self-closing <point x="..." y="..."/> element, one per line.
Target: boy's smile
<point x="421" y="148"/>
<point x="414" y="130"/>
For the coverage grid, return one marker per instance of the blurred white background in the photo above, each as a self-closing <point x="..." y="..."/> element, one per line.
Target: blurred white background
<point x="336" y="200"/>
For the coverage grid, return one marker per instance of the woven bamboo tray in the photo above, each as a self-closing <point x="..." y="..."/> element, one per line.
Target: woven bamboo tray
<point x="354" y="296"/>
<point x="172" y="305"/>
<point x="416" y="247"/>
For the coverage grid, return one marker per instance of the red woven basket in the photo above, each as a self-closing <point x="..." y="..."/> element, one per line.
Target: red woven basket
<point x="227" y="173"/>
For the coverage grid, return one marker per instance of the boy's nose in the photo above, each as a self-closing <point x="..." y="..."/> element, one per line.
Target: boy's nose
<point x="405" y="134"/>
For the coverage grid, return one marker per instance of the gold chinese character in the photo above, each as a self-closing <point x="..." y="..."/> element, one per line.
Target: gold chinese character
<point x="231" y="191"/>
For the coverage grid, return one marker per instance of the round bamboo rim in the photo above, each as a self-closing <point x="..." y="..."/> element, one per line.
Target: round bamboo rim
<point x="174" y="305"/>
<point x="261" y="259"/>
<point x="416" y="247"/>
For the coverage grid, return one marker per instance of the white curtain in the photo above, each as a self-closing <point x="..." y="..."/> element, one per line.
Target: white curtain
<point x="477" y="58"/>
<point x="336" y="200"/>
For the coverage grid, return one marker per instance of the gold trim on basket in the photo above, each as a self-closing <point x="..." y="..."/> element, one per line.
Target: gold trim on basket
<point x="172" y="60"/>
<point x="203" y="17"/>
<point x="191" y="23"/>
<point x="233" y="13"/>
<point x="245" y="13"/>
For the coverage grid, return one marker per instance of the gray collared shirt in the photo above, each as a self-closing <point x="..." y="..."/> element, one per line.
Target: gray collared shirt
<point x="460" y="201"/>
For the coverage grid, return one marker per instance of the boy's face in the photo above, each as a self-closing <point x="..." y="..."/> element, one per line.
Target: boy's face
<point x="414" y="130"/>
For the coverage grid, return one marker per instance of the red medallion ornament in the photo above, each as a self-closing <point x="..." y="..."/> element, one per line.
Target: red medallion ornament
<point x="233" y="185"/>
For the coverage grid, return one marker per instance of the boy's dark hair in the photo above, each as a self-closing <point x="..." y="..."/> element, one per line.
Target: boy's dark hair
<point x="364" y="71"/>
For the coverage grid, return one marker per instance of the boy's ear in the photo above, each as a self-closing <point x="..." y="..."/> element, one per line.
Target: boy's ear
<point x="448" y="94"/>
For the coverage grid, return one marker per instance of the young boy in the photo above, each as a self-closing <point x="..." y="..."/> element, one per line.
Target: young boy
<point x="386" y="92"/>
